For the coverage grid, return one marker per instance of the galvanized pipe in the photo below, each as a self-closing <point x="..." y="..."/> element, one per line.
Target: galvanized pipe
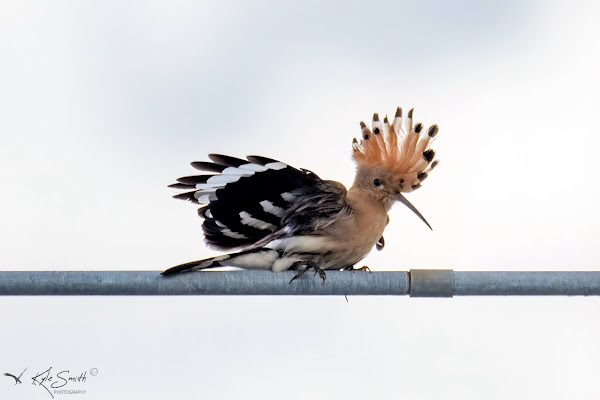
<point x="416" y="283"/>
<point x="151" y="283"/>
<point x="527" y="283"/>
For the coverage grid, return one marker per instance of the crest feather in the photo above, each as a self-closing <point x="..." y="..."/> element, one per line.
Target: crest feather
<point x="399" y="148"/>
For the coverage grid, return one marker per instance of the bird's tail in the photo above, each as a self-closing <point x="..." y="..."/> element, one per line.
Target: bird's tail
<point x="257" y="258"/>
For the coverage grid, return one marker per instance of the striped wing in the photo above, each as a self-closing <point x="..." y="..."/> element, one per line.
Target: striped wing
<point x="248" y="200"/>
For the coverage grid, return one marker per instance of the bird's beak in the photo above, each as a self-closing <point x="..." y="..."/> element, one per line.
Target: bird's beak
<point x="404" y="201"/>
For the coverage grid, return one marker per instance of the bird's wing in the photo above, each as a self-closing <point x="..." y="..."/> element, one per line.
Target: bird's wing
<point x="250" y="200"/>
<point x="315" y="208"/>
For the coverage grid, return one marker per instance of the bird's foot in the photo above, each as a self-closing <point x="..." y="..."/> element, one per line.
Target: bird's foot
<point x="308" y="265"/>
<point x="351" y="268"/>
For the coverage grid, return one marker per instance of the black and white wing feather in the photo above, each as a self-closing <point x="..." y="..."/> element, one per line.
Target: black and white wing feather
<point x="253" y="200"/>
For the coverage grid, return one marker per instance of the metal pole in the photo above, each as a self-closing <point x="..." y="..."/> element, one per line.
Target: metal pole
<point x="416" y="283"/>
<point x="524" y="283"/>
<point x="151" y="283"/>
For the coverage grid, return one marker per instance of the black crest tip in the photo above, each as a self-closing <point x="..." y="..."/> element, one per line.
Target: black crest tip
<point x="429" y="154"/>
<point x="433" y="130"/>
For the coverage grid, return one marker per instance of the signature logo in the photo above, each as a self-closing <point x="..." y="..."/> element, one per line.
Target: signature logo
<point x="16" y="378"/>
<point x="63" y="382"/>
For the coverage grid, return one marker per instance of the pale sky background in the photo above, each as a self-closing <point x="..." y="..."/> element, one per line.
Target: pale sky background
<point x="103" y="104"/>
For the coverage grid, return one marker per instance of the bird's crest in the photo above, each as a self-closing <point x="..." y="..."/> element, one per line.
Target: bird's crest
<point x="399" y="148"/>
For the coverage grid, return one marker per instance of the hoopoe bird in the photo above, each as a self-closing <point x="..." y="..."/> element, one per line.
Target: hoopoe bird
<point x="283" y="218"/>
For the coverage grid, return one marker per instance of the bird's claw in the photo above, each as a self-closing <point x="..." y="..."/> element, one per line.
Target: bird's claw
<point x="321" y="274"/>
<point x="308" y="265"/>
<point x="351" y="268"/>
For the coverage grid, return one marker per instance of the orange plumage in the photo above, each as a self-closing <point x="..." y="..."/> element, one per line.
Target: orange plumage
<point x="400" y="149"/>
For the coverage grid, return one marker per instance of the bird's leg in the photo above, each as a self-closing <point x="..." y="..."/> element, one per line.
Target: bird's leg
<point x="308" y="265"/>
<point x="351" y="268"/>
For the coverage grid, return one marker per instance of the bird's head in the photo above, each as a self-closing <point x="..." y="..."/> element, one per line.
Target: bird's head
<point x="394" y="158"/>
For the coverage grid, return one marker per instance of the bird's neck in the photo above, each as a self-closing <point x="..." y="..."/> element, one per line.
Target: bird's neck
<point x="369" y="199"/>
<point x="369" y="216"/>
<point x="365" y="202"/>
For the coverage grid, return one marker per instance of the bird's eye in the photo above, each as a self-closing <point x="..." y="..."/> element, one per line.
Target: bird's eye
<point x="376" y="182"/>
